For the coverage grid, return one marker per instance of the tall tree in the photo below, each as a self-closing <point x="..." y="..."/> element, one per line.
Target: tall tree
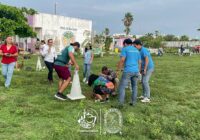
<point x="106" y="32"/>
<point x="157" y="33"/>
<point x="128" y="20"/>
<point x="14" y="22"/>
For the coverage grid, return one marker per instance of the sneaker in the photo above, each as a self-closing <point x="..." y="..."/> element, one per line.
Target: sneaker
<point x="141" y="97"/>
<point x="84" y="80"/>
<point x="107" y="100"/>
<point x="114" y="93"/>
<point x="96" y="101"/>
<point x="145" y="100"/>
<point x="60" y="96"/>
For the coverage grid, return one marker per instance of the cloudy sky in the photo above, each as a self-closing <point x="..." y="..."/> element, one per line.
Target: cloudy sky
<point x="168" y="16"/>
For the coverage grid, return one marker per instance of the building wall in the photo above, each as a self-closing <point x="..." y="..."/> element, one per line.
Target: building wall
<point x="63" y="30"/>
<point x="179" y="43"/>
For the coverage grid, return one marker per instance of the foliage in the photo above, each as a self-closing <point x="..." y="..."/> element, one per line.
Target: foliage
<point x="99" y="39"/>
<point x="149" y="40"/>
<point x="108" y="42"/>
<point x="14" y="22"/>
<point x="184" y="38"/>
<point x="170" y="38"/>
<point x="106" y="31"/>
<point x="128" y="19"/>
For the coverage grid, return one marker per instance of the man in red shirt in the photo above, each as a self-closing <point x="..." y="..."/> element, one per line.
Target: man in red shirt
<point x="9" y="55"/>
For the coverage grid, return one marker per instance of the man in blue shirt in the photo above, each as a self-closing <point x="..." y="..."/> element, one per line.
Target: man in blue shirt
<point x="147" y="69"/>
<point x="130" y="59"/>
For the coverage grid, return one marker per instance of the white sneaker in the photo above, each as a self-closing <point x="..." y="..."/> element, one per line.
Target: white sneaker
<point x="145" y="100"/>
<point x="84" y="80"/>
<point x="141" y="97"/>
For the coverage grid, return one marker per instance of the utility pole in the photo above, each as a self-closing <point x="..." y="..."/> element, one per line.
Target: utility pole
<point x="55" y="8"/>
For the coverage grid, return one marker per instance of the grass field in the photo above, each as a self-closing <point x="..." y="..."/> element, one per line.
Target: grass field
<point x="28" y="109"/>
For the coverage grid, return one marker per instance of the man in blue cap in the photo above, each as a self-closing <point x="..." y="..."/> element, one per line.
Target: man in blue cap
<point x="130" y="59"/>
<point x="147" y="70"/>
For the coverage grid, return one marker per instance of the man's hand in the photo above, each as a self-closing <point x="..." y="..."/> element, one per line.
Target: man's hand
<point x="144" y="72"/>
<point x="117" y="73"/>
<point x="77" y="67"/>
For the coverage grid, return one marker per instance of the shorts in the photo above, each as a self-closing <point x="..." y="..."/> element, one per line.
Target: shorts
<point x="62" y="71"/>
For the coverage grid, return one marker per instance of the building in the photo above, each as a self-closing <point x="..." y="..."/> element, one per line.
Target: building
<point x="63" y="30"/>
<point x="118" y="40"/>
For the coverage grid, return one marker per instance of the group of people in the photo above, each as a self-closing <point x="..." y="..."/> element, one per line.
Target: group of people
<point x="135" y="61"/>
<point x="60" y="62"/>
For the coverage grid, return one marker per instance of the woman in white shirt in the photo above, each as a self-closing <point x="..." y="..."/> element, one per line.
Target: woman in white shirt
<point x="49" y="54"/>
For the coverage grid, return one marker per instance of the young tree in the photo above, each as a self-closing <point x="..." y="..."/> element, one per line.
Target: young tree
<point x="128" y="19"/>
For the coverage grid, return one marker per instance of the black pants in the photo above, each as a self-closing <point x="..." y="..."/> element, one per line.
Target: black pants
<point x="50" y="68"/>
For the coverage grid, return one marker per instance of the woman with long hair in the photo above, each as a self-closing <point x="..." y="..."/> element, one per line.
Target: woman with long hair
<point x="9" y="54"/>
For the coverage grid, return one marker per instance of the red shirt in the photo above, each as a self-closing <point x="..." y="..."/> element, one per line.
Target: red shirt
<point x="6" y="59"/>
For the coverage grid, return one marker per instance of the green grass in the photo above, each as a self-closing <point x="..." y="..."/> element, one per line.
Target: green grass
<point x="28" y="109"/>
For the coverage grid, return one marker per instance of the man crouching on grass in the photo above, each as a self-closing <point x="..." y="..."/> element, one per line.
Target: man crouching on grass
<point x="61" y="67"/>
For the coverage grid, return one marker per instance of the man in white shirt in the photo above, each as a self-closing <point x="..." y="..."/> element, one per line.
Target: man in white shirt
<point x="49" y="54"/>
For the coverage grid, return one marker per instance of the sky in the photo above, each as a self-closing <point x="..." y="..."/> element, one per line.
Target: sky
<point x="178" y="17"/>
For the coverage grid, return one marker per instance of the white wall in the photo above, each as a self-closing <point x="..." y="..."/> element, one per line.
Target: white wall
<point x="54" y="26"/>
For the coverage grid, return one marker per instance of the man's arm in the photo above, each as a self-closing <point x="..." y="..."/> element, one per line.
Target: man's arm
<point x="140" y="65"/>
<point x="92" y="57"/>
<point x="146" y="64"/>
<point x="120" y="63"/>
<point x="71" y="55"/>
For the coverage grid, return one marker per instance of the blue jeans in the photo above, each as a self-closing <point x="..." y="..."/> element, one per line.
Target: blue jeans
<point x="7" y="72"/>
<point x="86" y="71"/>
<point x="145" y="83"/>
<point x="126" y="77"/>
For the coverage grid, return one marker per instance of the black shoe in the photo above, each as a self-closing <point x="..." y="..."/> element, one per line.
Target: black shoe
<point x="60" y="96"/>
<point x="131" y="104"/>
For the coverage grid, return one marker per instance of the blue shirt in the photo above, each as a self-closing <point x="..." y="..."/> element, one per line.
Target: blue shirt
<point x="144" y="52"/>
<point x="87" y="57"/>
<point x="132" y="56"/>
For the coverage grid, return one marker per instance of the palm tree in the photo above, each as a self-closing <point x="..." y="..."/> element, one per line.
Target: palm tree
<point x="106" y="32"/>
<point x="128" y="19"/>
<point x="157" y="33"/>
